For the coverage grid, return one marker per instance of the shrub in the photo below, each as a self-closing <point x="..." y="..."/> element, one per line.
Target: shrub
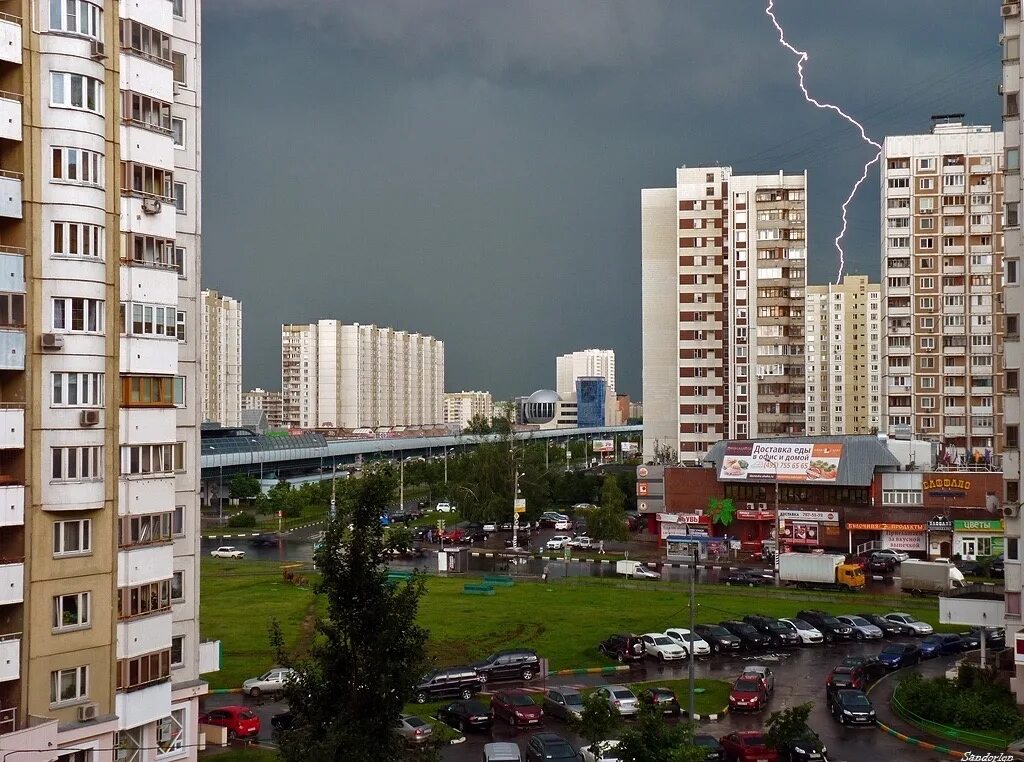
<point x="242" y="520"/>
<point x="973" y="701"/>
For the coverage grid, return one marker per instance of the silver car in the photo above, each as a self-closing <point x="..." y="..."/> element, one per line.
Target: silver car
<point x="765" y="673"/>
<point x="908" y="624"/>
<point x="563" y="703"/>
<point x="271" y="681"/>
<point x="862" y="628"/>
<point x="620" y="698"/>
<point x="415" y="730"/>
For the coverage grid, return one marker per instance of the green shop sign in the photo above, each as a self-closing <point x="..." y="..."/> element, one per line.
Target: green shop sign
<point x="978" y="525"/>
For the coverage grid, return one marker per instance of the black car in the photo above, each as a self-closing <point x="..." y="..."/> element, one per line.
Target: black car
<point x="995" y="637"/>
<point x="623" y="647"/>
<point x="719" y="638"/>
<point x="806" y="748"/>
<point x="449" y="682"/>
<point x="549" y="747"/>
<point x="850" y="706"/>
<point x="889" y="630"/>
<point x="881" y="565"/>
<point x="899" y="655"/>
<point x="715" y="752"/>
<point x="473" y="533"/>
<point x="747" y="577"/>
<point x="751" y="638"/>
<point x="869" y="666"/>
<point x="466" y="715"/>
<point x="780" y="634"/>
<point x="831" y="628"/>
<point x="282" y="721"/>
<point x="663" y="699"/>
<point x="998" y="567"/>
<point x="512" y="664"/>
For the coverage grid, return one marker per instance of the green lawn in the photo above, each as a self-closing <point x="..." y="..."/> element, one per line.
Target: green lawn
<point x="250" y="754"/>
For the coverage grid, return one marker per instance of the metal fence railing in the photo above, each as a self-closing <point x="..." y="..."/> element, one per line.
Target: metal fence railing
<point x="969" y="738"/>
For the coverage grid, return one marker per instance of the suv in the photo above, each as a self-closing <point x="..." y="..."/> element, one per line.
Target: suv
<point x="831" y="628"/>
<point x="461" y="682"/>
<point x="625" y="647"/>
<point x="781" y="634"/>
<point x="513" y="664"/>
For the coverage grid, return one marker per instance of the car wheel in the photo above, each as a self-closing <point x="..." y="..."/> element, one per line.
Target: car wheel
<point x="482" y="677"/>
<point x="661" y="657"/>
<point x="715" y="648"/>
<point x="421" y="698"/>
<point x="620" y="658"/>
<point x="728" y="584"/>
<point x="466" y="694"/>
<point x="750" y="584"/>
<point x="460" y="726"/>
<point x="828" y="638"/>
<point x="527" y="674"/>
<point x="232" y="735"/>
<point x="254" y="692"/>
<point x="859" y="636"/>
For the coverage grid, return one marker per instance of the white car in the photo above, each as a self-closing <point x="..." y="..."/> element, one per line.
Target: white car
<point x="662" y="647"/>
<point x="642" y="572"/>
<point x="602" y="751"/>
<point x="583" y="543"/>
<point x="490" y="527"/>
<point x="271" y="681"/>
<point x="683" y="637"/>
<point x="809" y="635"/>
<point x="558" y="542"/>
<point x="563" y="524"/>
<point x="227" y="551"/>
<point x="763" y="673"/>
<point x="444" y="508"/>
<point x="898" y="556"/>
<point x="909" y="625"/>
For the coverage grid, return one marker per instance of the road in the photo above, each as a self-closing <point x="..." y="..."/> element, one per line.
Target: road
<point x="800" y="678"/>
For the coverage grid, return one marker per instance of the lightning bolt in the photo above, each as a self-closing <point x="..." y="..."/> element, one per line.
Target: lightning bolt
<point x="801" y="59"/>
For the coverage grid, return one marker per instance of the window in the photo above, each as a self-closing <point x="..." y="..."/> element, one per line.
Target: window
<point x="181" y="325"/>
<point x="77" y="166"/>
<point x="179" y="261"/>
<point x="76" y="463"/>
<point x="148" y="320"/>
<point x="178" y="587"/>
<point x="1012" y="212"/>
<point x="152" y="458"/>
<point x="178" y="521"/>
<point x="1013" y="154"/>
<point x="77" y="91"/>
<point x="953" y="181"/>
<point x="177" y="651"/>
<point x="148" y="250"/>
<point x="178" y="63"/>
<point x="926" y="164"/>
<point x="69" y="685"/>
<point x="1012" y="271"/>
<point x="928" y="382"/>
<point x="72" y="537"/>
<point x="77" y="314"/>
<point x="144" y="180"/>
<point x="902" y="497"/>
<point x="76" y="390"/>
<point x="178" y="7"/>
<point x="146" y="42"/>
<point x="926" y="283"/>
<point x="927" y="223"/>
<point x="77" y="17"/>
<point x="179" y="197"/>
<point x="926" y="183"/>
<point x="151" y="598"/>
<point x="178" y="132"/>
<point x="143" y="670"/>
<point x="80" y="755"/>
<point x="1011" y="48"/>
<point x="78" y="239"/>
<point x="147" y="529"/>
<point x="927" y="243"/>
<point x="170" y="731"/>
<point x="899" y="182"/>
<point x="12" y="310"/>
<point x="146" y="112"/>
<point x="70" y="612"/>
<point x="147" y="391"/>
<point x="179" y="391"/>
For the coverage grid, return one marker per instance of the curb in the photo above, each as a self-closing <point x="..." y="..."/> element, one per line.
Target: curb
<point x="224" y="690"/>
<point x="241" y="535"/>
<point x="592" y="670"/>
<point x="648" y="564"/>
<point x="717" y="717"/>
<point x="912" y="741"/>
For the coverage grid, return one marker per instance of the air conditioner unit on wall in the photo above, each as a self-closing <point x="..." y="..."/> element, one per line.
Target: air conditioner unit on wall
<point x="151" y="205"/>
<point x="1011" y="511"/>
<point x="762" y="506"/>
<point x="88" y="712"/>
<point x="90" y="418"/>
<point x="1010" y="9"/>
<point x="98" y="51"/>
<point x="51" y="341"/>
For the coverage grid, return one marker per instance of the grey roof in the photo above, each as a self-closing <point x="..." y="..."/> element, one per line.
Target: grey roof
<point x="253" y="419"/>
<point x="862" y="454"/>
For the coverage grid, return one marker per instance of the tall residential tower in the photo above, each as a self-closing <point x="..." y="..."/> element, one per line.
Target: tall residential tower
<point x="222" y="358"/>
<point x="584" y="363"/>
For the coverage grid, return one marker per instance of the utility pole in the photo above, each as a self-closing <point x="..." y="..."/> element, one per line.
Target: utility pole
<point x="693" y="587"/>
<point x="401" y="483"/>
<point x="515" y="513"/>
<point x="334" y="490"/>
<point x="446" y="464"/>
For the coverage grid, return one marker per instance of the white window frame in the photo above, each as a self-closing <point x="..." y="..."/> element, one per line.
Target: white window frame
<point x="86" y="388"/>
<point x="63" y="318"/>
<point x="80" y="688"/>
<point x="85" y="460"/>
<point x="85" y="235"/>
<point x="87" y="19"/>
<point x="86" y="165"/>
<point x="171" y="733"/>
<point x="179" y="192"/>
<point x="62" y="85"/>
<point x="82" y="604"/>
<point x="60" y="538"/>
<point x="178" y="135"/>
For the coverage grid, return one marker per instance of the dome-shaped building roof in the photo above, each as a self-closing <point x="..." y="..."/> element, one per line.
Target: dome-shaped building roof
<point x="542" y="406"/>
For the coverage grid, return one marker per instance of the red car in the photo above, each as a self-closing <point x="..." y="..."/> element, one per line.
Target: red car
<point x="748" y="694"/>
<point x="846" y="677"/>
<point x="517" y="707"/>
<point x="747" y="746"/>
<point x="240" y="721"/>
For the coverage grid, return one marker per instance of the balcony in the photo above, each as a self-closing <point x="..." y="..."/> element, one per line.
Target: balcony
<point x="12" y="427"/>
<point x="136" y="637"/>
<point x="10" y="656"/>
<point x="12" y="582"/>
<point x="150" y="563"/>
<point x="982" y="431"/>
<point x="12" y="505"/>
<point x="955" y="431"/>
<point x="10" y="38"/>
<point x="955" y="370"/>
<point x="954" y="409"/>
<point x="10" y="194"/>
<point x="897" y="192"/>
<point x="981" y="188"/>
<point x="954" y="351"/>
<point x="954" y="391"/>
<point x="981" y="410"/>
<point x="12" y="349"/>
<point x="953" y="209"/>
<point x="145" y="705"/>
<point x="209" y="656"/>
<point x="10" y="116"/>
<point x="952" y="229"/>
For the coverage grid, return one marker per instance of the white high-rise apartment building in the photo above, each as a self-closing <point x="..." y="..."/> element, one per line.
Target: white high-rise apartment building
<point x="352" y="376"/>
<point x="942" y="273"/>
<point x="586" y="362"/>
<point x="99" y="377"/>
<point x="222" y="358"/>
<point x="723" y="278"/>
<point x="267" y="401"/>
<point x="843" y="335"/>
<point x="461" y="407"/>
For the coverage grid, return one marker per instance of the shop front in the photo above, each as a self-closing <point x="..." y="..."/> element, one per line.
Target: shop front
<point x="977" y="538"/>
<point x="682" y="533"/>
<point x="800" y="529"/>
<point x="905" y="536"/>
<point x="752" y="528"/>
<point x="940" y="537"/>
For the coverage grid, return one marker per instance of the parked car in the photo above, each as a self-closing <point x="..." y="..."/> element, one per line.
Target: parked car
<point x="806" y="748"/>
<point x="889" y="629"/>
<point x="602" y="751"/>
<point x="869" y="666"/>
<point x="710" y="744"/>
<point x="622" y="647"/>
<point x="850" y="706"/>
<point x="466" y="715"/>
<point x="782" y="635"/>
<point x="563" y="703"/>
<point x="582" y="543"/>
<point x="474" y="533"/>
<point x="763" y="673"/>
<point x="620" y="698"/>
<point x="688" y="640"/>
<point x="809" y="634"/>
<point x="227" y="551"/>
<point x="752" y="639"/>
<point x="747" y="577"/>
<point x="549" y="747"/>
<point x="502" y="751"/>
<point x="940" y="645"/>
<point x="719" y="638"/>
<point x="662" y="647"/>
<point x="642" y="572"/>
<point x="900" y="655"/>
<point x="281" y="721"/>
<point x="510" y="664"/>
<point x="445" y="507"/>
<point x="748" y="694"/>
<point x="998" y="566"/>
<point x="908" y="624"/>
<point x="898" y="555"/>
<point x="517" y="708"/>
<point x="463" y="682"/>
<point x="747" y="746"/>
<point x="415" y="730"/>
<point x="548" y="519"/>
<point x="847" y="676"/>
<point x="271" y="681"/>
<point x="995" y="637"/>
<point x="831" y="628"/>
<point x="862" y="628"/>
<point x="881" y="565"/>
<point x="558" y="542"/>
<point x="663" y="699"/>
<point x="563" y="524"/>
<point x="240" y="721"/>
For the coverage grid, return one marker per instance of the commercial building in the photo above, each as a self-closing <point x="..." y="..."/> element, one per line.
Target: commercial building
<point x="595" y="404"/>
<point x="586" y="362"/>
<point x="461" y="407"/>
<point x="723" y="278"/>
<point x="99" y="198"/>
<point x="942" y="266"/>
<point x="352" y="376"/>
<point x="843" y="335"/>
<point x="222" y="358"/>
<point x="267" y="401"/>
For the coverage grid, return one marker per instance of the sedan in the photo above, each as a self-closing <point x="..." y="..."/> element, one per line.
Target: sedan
<point x="719" y="638"/>
<point x="662" y="699"/>
<point x="889" y="629"/>
<point x="564" y="703"/>
<point x="995" y="637"/>
<point x="227" y="551"/>
<point x="748" y="694"/>
<point x="711" y="746"/>
<point x="850" y="706"/>
<point x="899" y="655"/>
<point x="896" y="555"/>
<point x="748" y="746"/>
<point x="688" y="640"/>
<point x="662" y="647"/>
<point x="620" y="698"/>
<point x="846" y="677"/>
<point x="940" y="645"/>
<point x="862" y="628"/>
<point x="240" y="721"/>
<point x="271" y="681"/>
<point x="516" y="707"/>
<point x="752" y="639"/>
<point x="549" y="747"/>
<point x="747" y="577"/>
<point x="465" y="715"/>
<point x="558" y="542"/>
<point x="602" y="751"/>
<point x="870" y="667"/>
<point x="883" y="566"/>
<point x="806" y="748"/>
<point x="809" y="634"/>
<point x="415" y="730"/>
<point x="765" y="674"/>
<point x="908" y="624"/>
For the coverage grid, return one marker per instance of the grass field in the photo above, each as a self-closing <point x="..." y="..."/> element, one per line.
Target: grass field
<point x="249" y="754"/>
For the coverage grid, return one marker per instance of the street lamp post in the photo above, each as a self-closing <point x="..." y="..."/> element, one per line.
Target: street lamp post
<point x="334" y="491"/>
<point x="446" y="464"/>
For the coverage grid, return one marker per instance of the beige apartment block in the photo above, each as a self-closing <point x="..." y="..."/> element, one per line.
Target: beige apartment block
<point x="222" y="358"/>
<point x="843" y="334"/>
<point x="461" y="407"/>
<point x="584" y="363"/>
<point x="267" y="401"/>
<point x="723" y="279"/>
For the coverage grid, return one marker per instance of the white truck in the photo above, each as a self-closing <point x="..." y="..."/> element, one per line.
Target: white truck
<point x="819" y="570"/>
<point x="636" y="570"/>
<point x="923" y="577"/>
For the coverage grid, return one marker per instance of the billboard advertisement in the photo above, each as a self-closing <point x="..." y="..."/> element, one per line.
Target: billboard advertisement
<point x="757" y="461"/>
<point x="799" y="532"/>
<point x="629" y="448"/>
<point x="604" y="445"/>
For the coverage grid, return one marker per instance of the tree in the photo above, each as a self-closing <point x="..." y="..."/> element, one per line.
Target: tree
<point x="398" y="537"/>
<point x="665" y="454"/>
<point x="366" y="652"/>
<point x="244" y="487"/>
<point x="612" y="496"/>
<point x="598" y="720"/>
<point x="787" y="726"/>
<point x="721" y="510"/>
<point x="608" y="522"/>
<point x="478" y="425"/>
<point x="651" y="739"/>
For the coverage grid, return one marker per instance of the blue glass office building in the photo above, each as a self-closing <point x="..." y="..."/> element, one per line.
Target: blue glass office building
<point x="591" y="392"/>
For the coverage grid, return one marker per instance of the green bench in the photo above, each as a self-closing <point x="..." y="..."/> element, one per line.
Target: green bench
<point x="500" y="580"/>
<point x="477" y="589"/>
<point x="399" y="576"/>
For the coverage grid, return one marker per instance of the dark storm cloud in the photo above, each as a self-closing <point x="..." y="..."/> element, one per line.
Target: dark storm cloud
<point x="472" y="169"/>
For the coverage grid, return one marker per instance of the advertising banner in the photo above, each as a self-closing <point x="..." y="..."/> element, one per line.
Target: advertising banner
<point x="757" y="461"/>
<point x="629" y="448"/>
<point x="799" y="532"/>
<point x="604" y="445"/>
<point x="908" y="541"/>
<point x="786" y="513"/>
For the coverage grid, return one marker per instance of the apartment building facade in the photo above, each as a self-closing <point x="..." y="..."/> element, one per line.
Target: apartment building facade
<point x="100" y="241"/>
<point x="942" y="273"/>
<point x="461" y="407"/>
<point x="267" y="401"/>
<point x="584" y="363"/>
<point x="723" y="279"/>
<point x="843" y="334"/>
<point x="354" y="376"/>
<point x="222" y="357"/>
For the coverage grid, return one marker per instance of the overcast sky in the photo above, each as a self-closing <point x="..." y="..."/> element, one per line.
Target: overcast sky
<point x="472" y="169"/>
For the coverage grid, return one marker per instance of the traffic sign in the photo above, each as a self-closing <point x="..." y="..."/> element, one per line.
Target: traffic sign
<point x="519" y="506"/>
<point x="567" y="553"/>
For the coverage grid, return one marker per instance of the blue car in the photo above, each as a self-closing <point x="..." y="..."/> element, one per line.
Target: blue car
<point x="899" y="655"/>
<point x="941" y="645"/>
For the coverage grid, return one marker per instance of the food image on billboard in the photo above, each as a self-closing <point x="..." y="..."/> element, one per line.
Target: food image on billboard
<point x="604" y="445"/>
<point x="800" y="532"/>
<point x="754" y="461"/>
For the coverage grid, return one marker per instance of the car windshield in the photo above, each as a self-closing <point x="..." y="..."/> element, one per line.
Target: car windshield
<point x="893" y="650"/>
<point x="906" y="618"/>
<point x="520" y="699"/>
<point x="748" y="685"/>
<point x="754" y="739"/>
<point x="708" y="741"/>
<point x="859" y="621"/>
<point x="415" y="722"/>
<point x="662" y="641"/>
<point x="623" y="694"/>
<point x="247" y="715"/>
<point x="832" y="621"/>
<point x="778" y="627"/>
<point x="718" y="632"/>
<point x="856" y="700"/>
<point x="573" y="699"/>
<point x="800" y="624"/>
<point x="936" y="639"/>
<point x="746" y="629"/>
<point x="473" y="707"/>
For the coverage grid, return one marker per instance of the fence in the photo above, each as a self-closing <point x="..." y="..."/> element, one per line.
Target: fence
<point x="969" y="738"/>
